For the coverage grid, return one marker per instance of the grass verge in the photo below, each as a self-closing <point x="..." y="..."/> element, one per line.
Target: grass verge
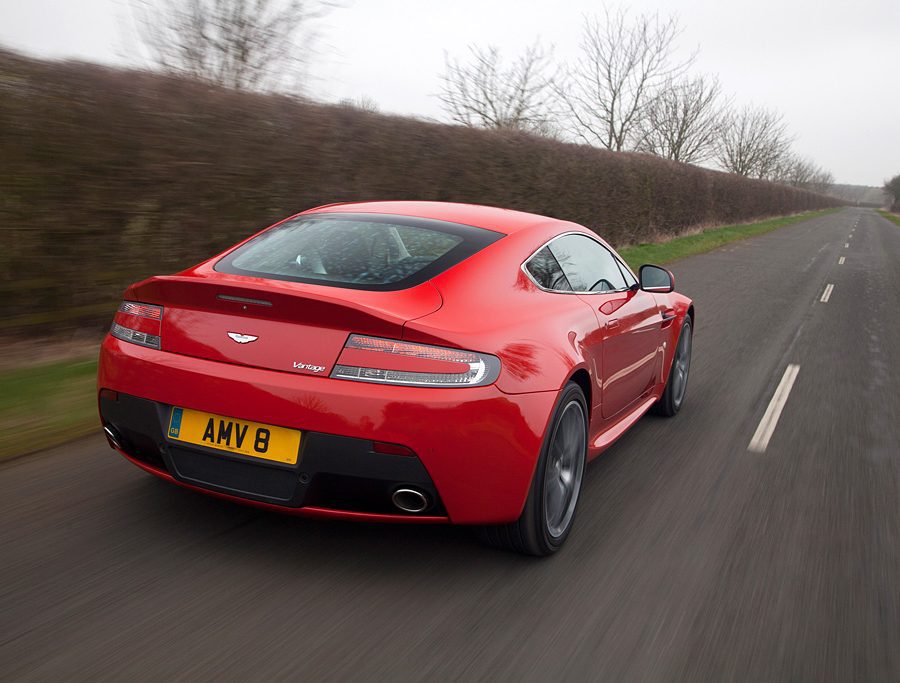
<point x="49" y="404"/>
<point x="892" y="217"/>
<point x="46" y="405"/>
<point x="713" y="238"/>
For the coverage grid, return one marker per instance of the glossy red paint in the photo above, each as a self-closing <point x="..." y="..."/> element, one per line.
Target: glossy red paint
<point x="482" y="483"/>
<point x="479" y="445"/>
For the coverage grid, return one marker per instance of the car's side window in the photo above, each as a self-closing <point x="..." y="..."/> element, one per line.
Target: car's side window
<point x="546" y="272"/>
<point x="588" y="265"/>
<point x="630" y="280"/>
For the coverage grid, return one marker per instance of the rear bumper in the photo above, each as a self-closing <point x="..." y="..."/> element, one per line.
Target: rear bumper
<point x="332" y="472"/>
<point x="476" y="447"/>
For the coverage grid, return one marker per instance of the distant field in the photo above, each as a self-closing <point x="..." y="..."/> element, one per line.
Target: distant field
<point x="51" y="403"/>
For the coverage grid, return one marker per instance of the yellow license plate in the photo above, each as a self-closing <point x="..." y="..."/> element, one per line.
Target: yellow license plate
<point x="235" y="436"/>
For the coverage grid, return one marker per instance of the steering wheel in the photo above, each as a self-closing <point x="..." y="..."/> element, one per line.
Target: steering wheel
<point x="558" y="280"/>
<point x="602" y="281"/>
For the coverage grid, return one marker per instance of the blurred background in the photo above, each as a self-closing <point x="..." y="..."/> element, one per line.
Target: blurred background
<point x="141" y="137"/>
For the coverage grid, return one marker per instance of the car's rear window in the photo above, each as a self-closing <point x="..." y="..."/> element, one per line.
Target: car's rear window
<point x="361" y="251"/>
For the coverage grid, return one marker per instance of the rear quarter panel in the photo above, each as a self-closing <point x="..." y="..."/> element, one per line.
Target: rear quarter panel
<point x="491" y="306"/>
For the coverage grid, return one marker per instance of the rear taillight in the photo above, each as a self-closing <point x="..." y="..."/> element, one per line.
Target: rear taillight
<point x="138" y="323"/>
<point x="142" y="310"/>
<point x="388" y="361"/>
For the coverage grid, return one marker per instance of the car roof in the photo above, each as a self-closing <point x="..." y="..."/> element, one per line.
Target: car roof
<point x="506" y="221"/>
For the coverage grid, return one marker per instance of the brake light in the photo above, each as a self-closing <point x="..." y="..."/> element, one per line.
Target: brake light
<point x="138" y="323"/>
<point x="142" y="310"/>
<point x="389" y="361"/>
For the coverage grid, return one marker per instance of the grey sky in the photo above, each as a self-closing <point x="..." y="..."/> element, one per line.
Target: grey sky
<point x="829" y="66"/>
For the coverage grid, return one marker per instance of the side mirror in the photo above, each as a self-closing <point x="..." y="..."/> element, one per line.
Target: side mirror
<point x="656" y="279"/>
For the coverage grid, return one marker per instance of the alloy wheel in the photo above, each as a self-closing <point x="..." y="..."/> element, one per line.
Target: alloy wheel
<point x="682" y="366"/>
<point x="564" y="469"/>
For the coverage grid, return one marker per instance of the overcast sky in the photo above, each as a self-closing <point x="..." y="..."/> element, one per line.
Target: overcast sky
<point x="830" y="66"/>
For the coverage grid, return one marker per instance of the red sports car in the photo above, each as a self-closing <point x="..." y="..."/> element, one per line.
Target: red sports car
<point x="397" y="361"/>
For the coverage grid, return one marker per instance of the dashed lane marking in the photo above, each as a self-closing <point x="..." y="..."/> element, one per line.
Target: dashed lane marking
<point x="766" y="428"/>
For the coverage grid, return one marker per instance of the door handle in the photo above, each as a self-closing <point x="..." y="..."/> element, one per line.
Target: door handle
<point x="668" y="316"/>
<point x="612" y="324"/>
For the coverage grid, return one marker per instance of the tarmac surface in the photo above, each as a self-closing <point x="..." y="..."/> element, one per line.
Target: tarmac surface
<point x="693" y="557"/>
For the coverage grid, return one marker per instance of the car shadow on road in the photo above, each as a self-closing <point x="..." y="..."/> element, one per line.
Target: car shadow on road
<point x="192" y="518"/>
<point x="198" y="519"/>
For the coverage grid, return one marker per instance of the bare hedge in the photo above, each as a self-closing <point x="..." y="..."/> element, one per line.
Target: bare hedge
<point x="108" y="176"/>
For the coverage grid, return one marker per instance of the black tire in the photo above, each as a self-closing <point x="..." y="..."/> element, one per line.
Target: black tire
<point x="672" y="399"/>
<point x="539" y="531"/>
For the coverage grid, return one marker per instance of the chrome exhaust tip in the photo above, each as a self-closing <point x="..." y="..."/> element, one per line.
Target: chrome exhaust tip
<point x="112" y="437"/>
<point x="410" y="500"/>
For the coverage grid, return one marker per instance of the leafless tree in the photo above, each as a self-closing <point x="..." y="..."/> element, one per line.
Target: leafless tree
<point x="624" y="61"/>
<point x="821" y="181"/>
<point x="363" y="103"/>
<point x="241" y="44"/>
<point x="791" y="170"/>
<point x="753" y="142"/>
<point x="683" y="120"/>
<point x="800" y="172"/>
<point x="485" y="93"/>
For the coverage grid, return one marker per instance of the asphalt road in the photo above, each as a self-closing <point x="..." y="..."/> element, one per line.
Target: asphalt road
<point x="693" y="557"/>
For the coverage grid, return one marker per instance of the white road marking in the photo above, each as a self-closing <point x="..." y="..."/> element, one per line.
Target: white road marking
<point x="766" y="428"/>
<point x="847" y="245"/>
<point x="826" y="295"/>
<point x="841" y="261"/>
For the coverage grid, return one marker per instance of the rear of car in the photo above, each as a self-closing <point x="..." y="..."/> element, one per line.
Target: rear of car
<point x="280" y="374"/>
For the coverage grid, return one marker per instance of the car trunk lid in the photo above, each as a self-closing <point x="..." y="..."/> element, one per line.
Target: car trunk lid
<point x="292" y="327"/>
